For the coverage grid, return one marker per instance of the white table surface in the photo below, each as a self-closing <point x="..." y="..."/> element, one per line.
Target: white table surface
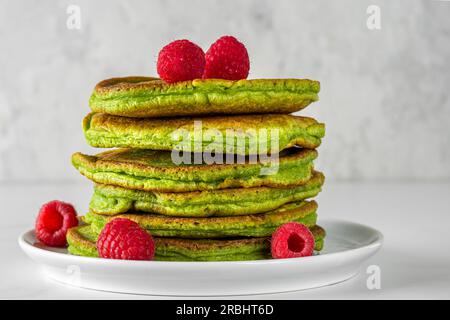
<point x="414" y="218"/>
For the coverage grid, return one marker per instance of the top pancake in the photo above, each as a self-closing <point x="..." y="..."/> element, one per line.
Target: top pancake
<point x="152" y="97"/>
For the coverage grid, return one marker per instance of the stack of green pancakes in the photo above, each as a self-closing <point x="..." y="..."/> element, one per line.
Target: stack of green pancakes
<point x="177" y="170"/>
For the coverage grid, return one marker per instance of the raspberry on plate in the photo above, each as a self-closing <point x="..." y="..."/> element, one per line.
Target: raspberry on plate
<point x="180" y="60"/>
<point x="227" y="58"/>
<point x="124" y="239"/>
<point x="53" y="221"/>
<point x="292" y="240"/>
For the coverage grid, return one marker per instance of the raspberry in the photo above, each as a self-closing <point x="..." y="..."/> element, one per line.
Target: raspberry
<point x="125" y="239"/>
<point x="292" y="240"/>
<point x="180" y="60"/>
<point x="53" y="221"/>
<point x="227" y="58"/>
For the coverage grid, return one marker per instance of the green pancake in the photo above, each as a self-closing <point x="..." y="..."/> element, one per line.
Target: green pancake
<point x="111" y="200"/>
<point x="151" y="97"/>
<point x="256" y="225"/>
<point x="150" y="170"/>
<point x="82" y="242"/>
<point x="241" y="135"/>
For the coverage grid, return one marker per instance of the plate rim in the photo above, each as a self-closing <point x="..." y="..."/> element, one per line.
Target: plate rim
<point x="375" y="244"/>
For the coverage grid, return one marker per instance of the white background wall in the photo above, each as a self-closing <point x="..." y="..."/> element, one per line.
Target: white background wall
<point x="385" y="93"/>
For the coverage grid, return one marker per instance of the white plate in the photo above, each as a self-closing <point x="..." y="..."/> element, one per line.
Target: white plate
<point x="347" y="246"/>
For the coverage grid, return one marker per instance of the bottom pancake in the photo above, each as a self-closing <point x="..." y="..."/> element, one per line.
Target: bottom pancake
<point x="82" y="242"/>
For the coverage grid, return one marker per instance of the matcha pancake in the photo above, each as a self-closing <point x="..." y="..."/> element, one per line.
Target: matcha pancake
<point x="256" y="225"/>
<point x="82" y="242"/>
<point x="112" y="200"/>
<point x="151" y="97"/>
<point x="243" y="135"/>
<point x="150" y="170"/>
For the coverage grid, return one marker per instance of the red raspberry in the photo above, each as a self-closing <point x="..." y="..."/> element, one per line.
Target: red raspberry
<point x="292" y="240"/>
<point x="227" y="58"/>
<point x="54" y="219"/>
<point x="180" y="60"/>
<point x="125" y="239"/>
